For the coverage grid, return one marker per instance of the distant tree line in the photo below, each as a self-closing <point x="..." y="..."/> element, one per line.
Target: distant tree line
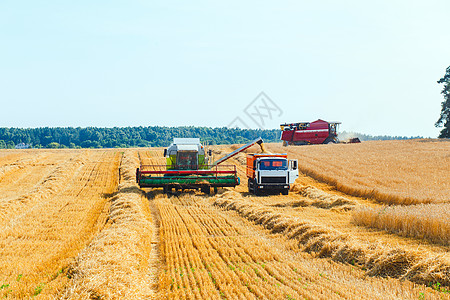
<point x="344" y="135"/>
<point x="154" y="136"/>
<point x="123" y="137"/>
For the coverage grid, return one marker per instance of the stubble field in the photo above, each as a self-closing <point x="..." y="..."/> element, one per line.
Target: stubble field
<point x="76" y="226"/>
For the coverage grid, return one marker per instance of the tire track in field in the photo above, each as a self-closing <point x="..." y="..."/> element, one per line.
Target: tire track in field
<point x="155" y="253"/>
<point x="154" y="260"/>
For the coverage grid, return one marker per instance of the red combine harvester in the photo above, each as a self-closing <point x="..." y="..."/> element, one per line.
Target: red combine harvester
<point x="304" y="133"/>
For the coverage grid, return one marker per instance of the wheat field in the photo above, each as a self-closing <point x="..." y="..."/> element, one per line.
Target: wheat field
<point x="63" y="204"/>
<point x="76" y="226"/>
<point x="392" y="172"/>
<point x="427" y="221"/>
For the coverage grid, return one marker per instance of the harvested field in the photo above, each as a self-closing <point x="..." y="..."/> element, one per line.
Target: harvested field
<point x="376" y="259"/>
<point x="76" y="226"/>
<point x="211" y="255"/>
<point x="115" y="265"/>
<point x="44" y="227"/>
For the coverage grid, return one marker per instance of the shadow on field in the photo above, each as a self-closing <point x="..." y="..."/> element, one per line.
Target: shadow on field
<point x="125" y="190"/>
<point x="131" y="190"/>
<point x="150" y="195"/>
<point x="109" y="195"/>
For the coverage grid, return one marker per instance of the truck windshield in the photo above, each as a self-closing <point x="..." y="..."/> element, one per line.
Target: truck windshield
<point x="273" y="164"/>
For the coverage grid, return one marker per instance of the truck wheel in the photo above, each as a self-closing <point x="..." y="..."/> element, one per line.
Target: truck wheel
<point x="285" y="192"/>
<point x="250" y="185"/>
<point x="255" y="189"/>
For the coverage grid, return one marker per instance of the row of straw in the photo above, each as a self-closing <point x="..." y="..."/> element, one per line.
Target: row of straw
<point x="377" y="260"/>
<point x="115" y="264"/>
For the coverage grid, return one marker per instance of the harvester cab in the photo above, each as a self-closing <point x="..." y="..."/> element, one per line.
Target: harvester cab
<point x="186" y="154"/>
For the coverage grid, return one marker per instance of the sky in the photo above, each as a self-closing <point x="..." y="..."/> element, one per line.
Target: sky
<point x="372" y="65"/>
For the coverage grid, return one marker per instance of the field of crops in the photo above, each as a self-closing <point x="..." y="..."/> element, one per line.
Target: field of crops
<point x="76" y="226"/>
<point x="395" y="172"/>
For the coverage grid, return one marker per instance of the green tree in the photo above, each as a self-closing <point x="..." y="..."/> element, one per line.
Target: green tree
<point x="53" y="145"/>
<point x="2" y="144"/>
<point x="444" y="119"/>
<point x="10" y="145"/>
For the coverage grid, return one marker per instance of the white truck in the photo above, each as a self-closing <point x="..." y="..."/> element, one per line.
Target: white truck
<point x="270" y="173"/>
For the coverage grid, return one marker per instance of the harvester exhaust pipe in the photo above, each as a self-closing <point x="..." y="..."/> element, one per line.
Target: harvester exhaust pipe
<point x="258" y="141"/>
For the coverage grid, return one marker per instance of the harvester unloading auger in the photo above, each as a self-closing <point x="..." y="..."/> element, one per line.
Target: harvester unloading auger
<point x="187" y="167"/>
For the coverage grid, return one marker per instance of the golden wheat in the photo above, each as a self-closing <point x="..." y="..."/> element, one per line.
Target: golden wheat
<point x="394" y="172"/>
<point x="21" y="176"/>
<point x="378" y="260"/>
<point x="318" y="198"/>
<point x="207" y="255"/>
<point x="115" y="264"/>
<point x="48" y="226"/>
<point x="428" y="221"/>
<point x="71" y="230"/>
<point x="49" y="186"/>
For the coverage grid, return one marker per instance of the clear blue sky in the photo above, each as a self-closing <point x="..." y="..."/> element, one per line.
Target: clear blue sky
<point x="373" y="65"/>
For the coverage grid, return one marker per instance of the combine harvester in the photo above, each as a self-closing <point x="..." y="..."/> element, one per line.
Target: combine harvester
<point x="188" y="168"/>
<point x="305" y="133"/>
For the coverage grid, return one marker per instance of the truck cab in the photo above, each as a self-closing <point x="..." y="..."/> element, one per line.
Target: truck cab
<point x="270" y="173"/>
